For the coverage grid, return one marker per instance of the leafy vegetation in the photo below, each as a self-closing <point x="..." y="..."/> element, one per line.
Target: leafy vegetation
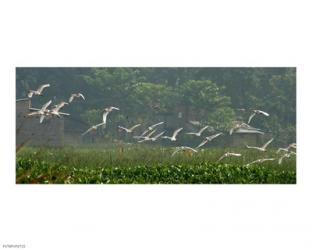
<point x="130" y="164"/>
<point x="181" y="97"/>
<point x="146" y="95"/>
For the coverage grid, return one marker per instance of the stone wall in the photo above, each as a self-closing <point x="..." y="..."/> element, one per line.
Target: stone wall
<point x="30" y="131"/>
<point x="240" y="140"/>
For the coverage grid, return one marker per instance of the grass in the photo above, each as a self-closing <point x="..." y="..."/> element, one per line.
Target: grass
<point x="143" y="164"/>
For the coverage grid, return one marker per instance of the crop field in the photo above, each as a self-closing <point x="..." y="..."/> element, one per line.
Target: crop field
<point x="132" y="164"/>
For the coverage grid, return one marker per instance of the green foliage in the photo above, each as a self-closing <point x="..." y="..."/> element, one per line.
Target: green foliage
<point x="221" y="118"/>
<point x="210" y="95"/>
<point x="152" y="98"/>
<point x="92" y="116"/>
<point x="203" y="94"/>
<point x="129" y="165"/>
<point x="204" y="98"/>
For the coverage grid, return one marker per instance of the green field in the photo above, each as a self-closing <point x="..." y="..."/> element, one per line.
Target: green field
<point x="134" y="164"/>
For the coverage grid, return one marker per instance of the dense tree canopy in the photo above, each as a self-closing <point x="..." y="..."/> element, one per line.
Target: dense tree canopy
<point x="146" y="95"/>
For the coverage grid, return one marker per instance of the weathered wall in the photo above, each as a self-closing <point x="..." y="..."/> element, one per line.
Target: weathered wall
<point x="240" y="140"/>
<point x="29" y="130"/>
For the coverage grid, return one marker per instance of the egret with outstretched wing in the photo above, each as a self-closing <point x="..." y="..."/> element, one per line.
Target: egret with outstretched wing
<point x="43" y="112"/>
<point x="129" y="130"/>
<point x="178" y="149"/>
<point x="209" y="138"/>
<point x="228" y="154"/>
<point x="263" y="148"/>
<point x="76" y="95"/>
<point x="150" y="128"/>
<point x="174" y="136"/>
<point x="38" y="91"/>
<point x="260" y="161"/>
<point x="93" y="128"/>
<point x="257" y="112"/>
<point x="199" y="132"/>
<point x="107" y="111"/>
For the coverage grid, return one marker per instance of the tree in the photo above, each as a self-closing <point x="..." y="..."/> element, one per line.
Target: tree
<point x="152" y="99"/>
<point x="144" y="95"/>
<point x="204" y="99"/>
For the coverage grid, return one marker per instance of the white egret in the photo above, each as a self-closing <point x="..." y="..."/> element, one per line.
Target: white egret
<point x="242" y="125"/>
<point x="150" y="128"/>
<point x="178" y="149"/>
<point x="38" y="91"/>
<point x="41" y="112"/>
<point x="263" y="148"/>
<point x="145" y="138"/>
<point x="260" y="161"/>
<point x="76" y="95"/>
<point x="209" y="138"/>
<point x="287" y="155"/>
<point x="93" y="128"/>
<point x="256" y="112"/>
<point x="174" y="136"/>
<point x="107" y="111"/>
<point x="129" y="130"/>
<point x="228" y="154"/>
<point x="56" y="109"/>
<point x="199" y="132"/>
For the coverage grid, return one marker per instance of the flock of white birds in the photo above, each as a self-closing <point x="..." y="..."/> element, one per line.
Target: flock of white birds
<point x="148" y="133"/>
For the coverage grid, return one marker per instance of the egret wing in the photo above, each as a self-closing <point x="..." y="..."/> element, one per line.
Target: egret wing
<point x="175" y="133"/>
<point x="194" y="150"/>
<point x="123" y="128"/>
<point x="41" y="118"/>
<point x="105" y="116"/>
<point x="44" y="107"/>
<point x="82" y="96"/>
<point x="135" y="126"/>
<point x="203" y="129"/>
<point x="153" y="126"/>
<point x="176" y="151"/>
<point x="86" y="132"/>
<point x="267" y="144"/>
<point x="202" y="143"/>
<point x="42" y="87"/>
<point x="250" y="117"/>
<point x="158" y="135"/>
<point x="263" y="113"/>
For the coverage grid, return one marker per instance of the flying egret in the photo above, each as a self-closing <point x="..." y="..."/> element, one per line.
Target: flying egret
<point x="178" y="149"/>
<point x="145" y="138"/>
<point x="93" y="128"/>
<point x="107" y="111"/>
<point x="228" y="154"/>
<point x="174" y="136"/>
<point x="209" y="138"/>
<point x="263" y="148"/>
<point x="282" y="149"/>
<point x="157" y="136"/>
<point x="41" y="112"/>
<point x="292" y="145"/>
<point x="148" y="138"/>
<point x="56" y="109"/>
<point x="150" y="128"/>
<point x="242" y="125"/>
<point x="287" y="155"/>
<point x="76" y="95"/>
<point x="256" y="112"/>
<point x="199" y="132"/>
<point x="260" y="161"/>
<point x="38" y="91"/>
<point x="129" y="130"/>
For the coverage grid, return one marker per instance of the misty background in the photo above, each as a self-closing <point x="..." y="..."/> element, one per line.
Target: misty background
<point x="178" y="96"/>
